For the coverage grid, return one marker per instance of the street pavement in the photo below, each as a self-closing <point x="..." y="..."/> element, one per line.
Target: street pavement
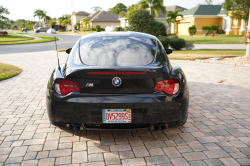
<point x="66" y="41"/>
<point x="217" y="131"/>
<point x="219" y="46"/>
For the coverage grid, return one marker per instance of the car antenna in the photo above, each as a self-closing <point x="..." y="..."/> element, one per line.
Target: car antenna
<point x="57" y="57"/>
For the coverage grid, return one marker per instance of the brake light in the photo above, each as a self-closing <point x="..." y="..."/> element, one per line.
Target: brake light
<point x="64" y="87"/>
<point x="170" y="86"/>
<point x="116" y="73"/>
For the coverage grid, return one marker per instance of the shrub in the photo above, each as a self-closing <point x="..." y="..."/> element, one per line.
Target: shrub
<point x="161" y="28"/>
<point x="214" y="29"/>
<point x="220" y="31"/>
<point x="206" y="30"/>
<point x="142" y="21"/>
<point x="165" y="41"/>
<point x="98" y="28"/>
<point x="172" y="36"/>
<point x="178" y="43"/>
<point x="60" y="30"/>
<point x="192" y="30"/>
<point x="118" y="29"/>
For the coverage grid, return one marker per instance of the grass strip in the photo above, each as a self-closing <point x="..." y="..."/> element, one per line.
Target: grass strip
<point x="42" y="40"/>
<point x="8" y="71"/>
<point x="205" y="53"/>
<point x="61" y="50"/>
<point x="224" y="39"/>
<point x="14" y="38"/>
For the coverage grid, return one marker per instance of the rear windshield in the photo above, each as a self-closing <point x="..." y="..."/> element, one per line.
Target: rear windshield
<point x="117" y="51"/>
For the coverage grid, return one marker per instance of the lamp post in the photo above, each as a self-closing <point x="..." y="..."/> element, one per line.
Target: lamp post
<point x="72" y="17"/>
<point x="248" y="39"/>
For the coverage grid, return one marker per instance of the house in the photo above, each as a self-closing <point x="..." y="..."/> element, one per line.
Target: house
<point x="78" y="16"/>
<point x="160" y="18"/>
<point x="101" y="18"/>
<point x="208" y="15"/>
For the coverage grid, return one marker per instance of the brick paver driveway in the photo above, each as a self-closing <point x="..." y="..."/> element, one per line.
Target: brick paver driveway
<point x="217" y="131"/>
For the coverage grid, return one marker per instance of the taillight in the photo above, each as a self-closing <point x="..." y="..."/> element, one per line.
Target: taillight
<point x="170" y="86"/>
<point x="64" y="87"/>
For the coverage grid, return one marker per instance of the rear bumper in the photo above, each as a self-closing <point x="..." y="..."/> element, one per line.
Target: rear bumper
<point x="86" y="109"/>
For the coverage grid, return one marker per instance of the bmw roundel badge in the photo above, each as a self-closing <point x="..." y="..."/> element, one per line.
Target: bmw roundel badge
<point x="116" y="81"/>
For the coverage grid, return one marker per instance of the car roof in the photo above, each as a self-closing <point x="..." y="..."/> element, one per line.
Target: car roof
<point x="120" y="33"/>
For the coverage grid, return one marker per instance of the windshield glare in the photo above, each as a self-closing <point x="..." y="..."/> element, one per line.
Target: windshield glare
<point x="117" y="51"/>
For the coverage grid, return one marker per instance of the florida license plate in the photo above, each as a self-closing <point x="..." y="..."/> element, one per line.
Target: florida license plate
<point x="116" y="115"/>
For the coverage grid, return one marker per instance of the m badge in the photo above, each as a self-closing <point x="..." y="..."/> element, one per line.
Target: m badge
<point x="89" y="85"/>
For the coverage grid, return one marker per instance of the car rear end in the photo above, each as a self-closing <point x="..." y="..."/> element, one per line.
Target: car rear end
<point x="99" y="90"/>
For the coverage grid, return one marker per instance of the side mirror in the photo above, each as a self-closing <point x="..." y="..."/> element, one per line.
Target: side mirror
<point x="68" y="50"/>
<point x="168" y="51"/>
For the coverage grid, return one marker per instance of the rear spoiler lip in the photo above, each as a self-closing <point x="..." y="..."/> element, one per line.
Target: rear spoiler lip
<point x="72" y="70"/>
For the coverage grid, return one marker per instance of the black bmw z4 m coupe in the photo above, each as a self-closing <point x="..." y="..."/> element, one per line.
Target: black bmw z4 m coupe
<point x="117" y="80"/>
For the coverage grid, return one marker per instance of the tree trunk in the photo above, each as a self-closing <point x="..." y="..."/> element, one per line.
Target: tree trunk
<point x="248" y="46"/>
<point x="174" y="26"/>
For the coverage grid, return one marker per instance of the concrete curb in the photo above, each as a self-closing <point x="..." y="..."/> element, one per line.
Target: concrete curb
<point x="222" y="62"/>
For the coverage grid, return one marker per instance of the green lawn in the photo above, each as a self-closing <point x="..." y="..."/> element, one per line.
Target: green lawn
<point x="13" y="38"/>
<point x="8" y="71"/>
<point x="44" y="39"/>
<point x="204" y="53"/>
<point x="218" y="39"/>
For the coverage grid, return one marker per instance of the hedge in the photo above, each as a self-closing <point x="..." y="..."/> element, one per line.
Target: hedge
<point x="178" y="43"/>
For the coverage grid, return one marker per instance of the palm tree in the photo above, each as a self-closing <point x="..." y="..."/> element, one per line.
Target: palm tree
<point x="39" y="13"/>
<point x="171" y="16"/>
<point x="65" y="23"/>
<point x="51" y="23"/>
<point x="63" y="17"/>
<point x="47" y="19"/>
<point x="154" y="6"/>
<point x="131" y="9"/>
<point x="85" y="22"/>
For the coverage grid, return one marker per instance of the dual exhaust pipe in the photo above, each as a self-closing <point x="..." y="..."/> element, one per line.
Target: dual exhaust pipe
<point x="73" y="127"/>
<point x="160" y="126"/>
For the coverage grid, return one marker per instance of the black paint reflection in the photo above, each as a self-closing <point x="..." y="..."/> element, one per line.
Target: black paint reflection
<point x="117" y="51"/>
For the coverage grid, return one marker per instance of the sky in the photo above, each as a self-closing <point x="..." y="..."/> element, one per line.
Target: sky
<point x="24" y="9"/>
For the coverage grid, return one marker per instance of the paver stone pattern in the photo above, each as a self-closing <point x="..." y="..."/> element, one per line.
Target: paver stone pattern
<point x="217" y="131"/>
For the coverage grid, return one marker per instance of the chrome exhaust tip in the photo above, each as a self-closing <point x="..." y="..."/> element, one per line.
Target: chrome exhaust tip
<point x="163" y="127"/>
<point x="156" y="127"/>
<point x="71" y="127"/>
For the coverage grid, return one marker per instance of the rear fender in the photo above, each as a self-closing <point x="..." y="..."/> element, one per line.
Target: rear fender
<point x="177" y="73"/>
<point x="56" y="74"/>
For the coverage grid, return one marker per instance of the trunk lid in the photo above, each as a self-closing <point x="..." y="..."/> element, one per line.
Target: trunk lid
<point x="133" y="80"/>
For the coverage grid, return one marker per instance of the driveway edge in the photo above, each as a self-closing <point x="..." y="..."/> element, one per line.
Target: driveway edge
<point x="222" y="62"/>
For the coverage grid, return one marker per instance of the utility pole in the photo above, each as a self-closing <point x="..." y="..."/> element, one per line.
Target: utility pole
<point x="72" y="17"/>
<point x="248" y="40"/>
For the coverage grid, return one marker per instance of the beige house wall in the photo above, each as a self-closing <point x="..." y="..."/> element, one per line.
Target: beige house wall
<point x="105" y="24"/>
<point x="77" y="18"/>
